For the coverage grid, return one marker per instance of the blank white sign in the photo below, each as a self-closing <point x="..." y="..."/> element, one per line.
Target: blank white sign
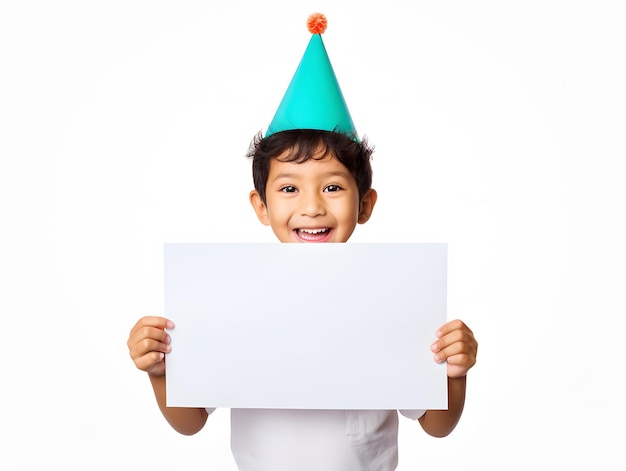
<point x="305" y="326"/>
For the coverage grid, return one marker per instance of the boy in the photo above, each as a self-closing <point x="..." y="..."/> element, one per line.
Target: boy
<point x="312" y="179"/>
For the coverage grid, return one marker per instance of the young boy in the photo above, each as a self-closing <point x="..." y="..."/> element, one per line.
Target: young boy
<point x="312" y="179"/>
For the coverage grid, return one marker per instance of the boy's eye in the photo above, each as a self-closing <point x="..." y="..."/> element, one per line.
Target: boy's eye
<point x="288" y="189"/>
<point x="330" y="188"/>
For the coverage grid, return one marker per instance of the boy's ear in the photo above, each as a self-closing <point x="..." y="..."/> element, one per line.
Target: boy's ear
<point x="367" y="205"/>
<point x="259" y="207"/>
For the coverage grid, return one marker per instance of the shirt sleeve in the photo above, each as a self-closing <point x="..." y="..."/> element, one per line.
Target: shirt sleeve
<point x="412" y="414"/>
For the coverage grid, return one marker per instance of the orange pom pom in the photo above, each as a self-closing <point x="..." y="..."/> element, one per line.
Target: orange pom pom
<point x="316" y="23"/>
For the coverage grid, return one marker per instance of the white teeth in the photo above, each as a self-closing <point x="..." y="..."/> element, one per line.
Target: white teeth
<point x="313" y="231"/>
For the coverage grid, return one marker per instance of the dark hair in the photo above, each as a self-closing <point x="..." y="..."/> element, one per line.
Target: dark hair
<point x="301" y="145"/>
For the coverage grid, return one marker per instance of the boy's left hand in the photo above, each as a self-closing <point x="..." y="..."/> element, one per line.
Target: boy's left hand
<point x="456" y="345"/>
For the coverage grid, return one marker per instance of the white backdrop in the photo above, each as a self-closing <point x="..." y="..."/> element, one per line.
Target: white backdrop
<point x="499" y="128"/>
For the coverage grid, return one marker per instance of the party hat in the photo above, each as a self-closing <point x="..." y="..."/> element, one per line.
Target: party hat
<point x="313" y="99"/>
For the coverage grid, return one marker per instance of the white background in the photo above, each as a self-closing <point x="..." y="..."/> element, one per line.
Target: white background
<point x="499" y="129"/>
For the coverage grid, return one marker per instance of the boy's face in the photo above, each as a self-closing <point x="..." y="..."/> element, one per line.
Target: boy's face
<point x="313" y="201"/>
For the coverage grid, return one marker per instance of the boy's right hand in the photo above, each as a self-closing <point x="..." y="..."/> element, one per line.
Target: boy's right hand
<point x="148" y="343"/>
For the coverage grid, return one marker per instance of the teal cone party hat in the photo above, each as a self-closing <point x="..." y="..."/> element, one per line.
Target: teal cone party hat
<point x="313" y="99"/>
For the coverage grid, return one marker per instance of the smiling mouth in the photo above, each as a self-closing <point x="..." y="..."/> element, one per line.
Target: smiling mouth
<point x="313" y="235"/>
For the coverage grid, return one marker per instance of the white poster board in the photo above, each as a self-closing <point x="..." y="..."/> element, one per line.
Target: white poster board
<point x="314" y="326"/>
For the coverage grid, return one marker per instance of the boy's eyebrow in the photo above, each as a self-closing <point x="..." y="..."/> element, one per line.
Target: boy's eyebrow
<point x="337" y="173"/>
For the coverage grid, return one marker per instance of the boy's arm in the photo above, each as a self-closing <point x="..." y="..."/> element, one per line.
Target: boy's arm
<point x="184" y="420"/>
<point x="457" y="346"/>
<point x="440" y="423"/>
<point x="148" y="343"/>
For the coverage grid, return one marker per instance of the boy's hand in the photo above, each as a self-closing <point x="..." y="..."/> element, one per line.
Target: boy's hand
<point x="456" y="345"/>
<point x="148" y="343"/>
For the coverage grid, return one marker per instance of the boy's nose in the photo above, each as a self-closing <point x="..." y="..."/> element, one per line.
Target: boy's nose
<point x="312" y="206"/>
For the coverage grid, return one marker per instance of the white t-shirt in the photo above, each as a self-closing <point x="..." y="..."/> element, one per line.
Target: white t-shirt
<point x="308" y="440"/>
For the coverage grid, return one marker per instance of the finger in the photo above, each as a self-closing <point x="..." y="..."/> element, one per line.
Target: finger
<point x="462" y="359"/>
<point x="147" y="345"/>
<point x="458" y="365"/>
<point x="152" y="321"/>
<point x="150" y="333"/>
<point x="147" y="362"/>
<point x="455" y="348"/>
<point x="455" y="336"/>
<point x="451" y="326"/>
<point x="147" y="332"/>
<point x="457" y="354"/>
<point x="457" y="371"/>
